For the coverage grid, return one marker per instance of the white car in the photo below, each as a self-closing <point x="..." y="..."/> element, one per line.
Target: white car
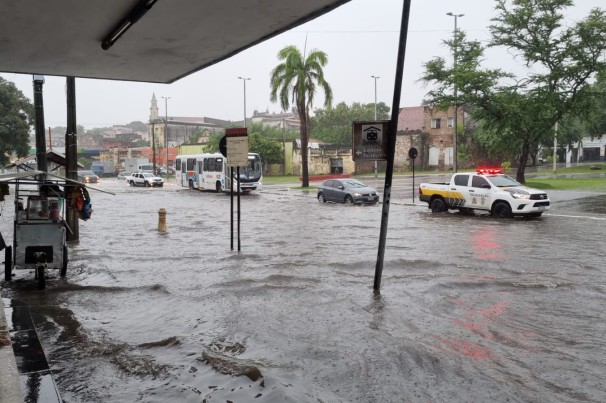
<point x="145" y="179"/>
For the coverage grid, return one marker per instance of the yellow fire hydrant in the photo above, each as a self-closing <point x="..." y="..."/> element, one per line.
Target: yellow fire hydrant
<point x="162" y="220"/>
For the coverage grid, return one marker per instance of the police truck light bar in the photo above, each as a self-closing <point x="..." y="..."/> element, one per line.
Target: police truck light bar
<point x="490" y="171"/>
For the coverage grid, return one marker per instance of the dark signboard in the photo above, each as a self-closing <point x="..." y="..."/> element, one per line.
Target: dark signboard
<point x="370" y="140"/>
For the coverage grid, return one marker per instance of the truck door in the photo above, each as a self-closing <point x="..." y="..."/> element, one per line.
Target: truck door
<point x="480" y="193"/>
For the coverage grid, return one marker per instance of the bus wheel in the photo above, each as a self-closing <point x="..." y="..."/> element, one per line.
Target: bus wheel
<point x="218" y="187"/>
<point x="191" y="185"/>
<point x="8" y="263"/>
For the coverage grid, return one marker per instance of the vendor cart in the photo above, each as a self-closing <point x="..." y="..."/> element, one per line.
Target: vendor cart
<point x="39" y="236"/>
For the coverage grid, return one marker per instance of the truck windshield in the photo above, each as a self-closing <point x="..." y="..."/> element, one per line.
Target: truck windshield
<point x="502" y="180"/>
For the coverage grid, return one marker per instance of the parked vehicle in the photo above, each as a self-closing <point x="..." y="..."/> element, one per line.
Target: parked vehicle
<point x="145" y="179"/>
<point x="138" y="165"/>
<point x="488" y="190"/>
<point x="87" y="177"/>
<point x="103" y="168"/>
<point x="347" y="191"/>
<point x="123" y="175"/>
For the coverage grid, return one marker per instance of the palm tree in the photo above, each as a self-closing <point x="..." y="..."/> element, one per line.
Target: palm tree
<point x="296" y="80"/>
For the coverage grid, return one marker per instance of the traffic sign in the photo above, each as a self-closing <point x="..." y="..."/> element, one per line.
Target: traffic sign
<point x="237" y="147"/>
<point x="370" y="140"/>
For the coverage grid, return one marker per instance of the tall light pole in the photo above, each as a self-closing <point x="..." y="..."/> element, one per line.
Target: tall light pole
<point x="376" y="78"/>
<point x="244" y="81"/>
<point x="166" y="130"/>
<point x="456" y="102"/>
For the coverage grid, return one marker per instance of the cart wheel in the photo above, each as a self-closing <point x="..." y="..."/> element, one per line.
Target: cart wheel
<point x="8" y="263"/>
<point x="41" y="277"/>
<point x="64" y="267"/>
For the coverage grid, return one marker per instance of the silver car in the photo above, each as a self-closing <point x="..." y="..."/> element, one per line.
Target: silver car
<point x="347" y="191"/>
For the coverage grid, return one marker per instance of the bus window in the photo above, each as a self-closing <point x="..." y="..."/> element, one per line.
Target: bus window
<point x="191" y="163"/>
<point x="218" y="164"/>
<point x="178" y="164"/>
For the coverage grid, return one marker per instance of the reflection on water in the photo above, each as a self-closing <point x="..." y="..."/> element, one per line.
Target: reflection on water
<point x="471" y="308"/>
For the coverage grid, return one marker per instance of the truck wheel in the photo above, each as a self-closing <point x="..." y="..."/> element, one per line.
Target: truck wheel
<point x="8" y="263"/>
<point x="437" y="206"/>
<point x="191" y="185"/>
<point x="218" y="187"/>
<point x="501" y="210"/>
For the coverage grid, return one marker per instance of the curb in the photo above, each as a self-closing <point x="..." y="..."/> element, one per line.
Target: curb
<point x="10" y="385"/>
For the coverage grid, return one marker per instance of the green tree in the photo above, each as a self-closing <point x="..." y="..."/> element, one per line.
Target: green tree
<point x="519" y="114"/>
<point x="296" y="80"/>
<point x="270" y="150"/>
<point x="263" y="140"/>
<point x="137" y="126"/>
<point x="16" y="118"/>
<point x="334" y="124"/>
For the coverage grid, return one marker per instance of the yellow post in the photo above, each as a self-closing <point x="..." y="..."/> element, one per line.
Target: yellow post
<point x="162" y="220"/>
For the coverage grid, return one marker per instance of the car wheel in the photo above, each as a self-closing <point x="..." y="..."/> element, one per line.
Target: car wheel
<point x="321" y="198"/>
<point x="348" y="199"/>
<point x="146" y="184"/>
<point x="438" y="206"/>
<point x="501" y="210"/>
<point x="8" y="263"/>
<point x="132" y="183"/>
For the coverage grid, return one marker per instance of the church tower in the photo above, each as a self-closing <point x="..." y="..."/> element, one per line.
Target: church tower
<point x="153" y="111"/>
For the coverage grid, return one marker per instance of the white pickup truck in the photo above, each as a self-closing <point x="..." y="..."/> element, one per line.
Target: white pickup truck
<point x="488" y="190"/>
<point x="144" y="179"/>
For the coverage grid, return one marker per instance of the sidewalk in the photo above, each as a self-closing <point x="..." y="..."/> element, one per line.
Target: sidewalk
<point x="10" y="387"/>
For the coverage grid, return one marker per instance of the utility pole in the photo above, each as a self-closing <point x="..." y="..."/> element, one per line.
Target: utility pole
<point x="456" y="102"/>
<point x="375" y="78"/>
<point x="166" y="131"/>
<point x="41" y="164"/>
<point x="244" y="81"/>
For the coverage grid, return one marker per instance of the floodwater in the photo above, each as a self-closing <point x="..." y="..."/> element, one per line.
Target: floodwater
<point x="471" y="308"/>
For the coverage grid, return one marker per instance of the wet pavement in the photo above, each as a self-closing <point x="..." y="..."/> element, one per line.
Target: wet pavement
<point x="471" y="308"/>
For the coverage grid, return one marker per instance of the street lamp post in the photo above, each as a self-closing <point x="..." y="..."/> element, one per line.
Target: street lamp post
<point x="376" y="78"/>
<point x="166" y="130"/>
<point x="456" y="102"/>
<point x="244" y="81"/>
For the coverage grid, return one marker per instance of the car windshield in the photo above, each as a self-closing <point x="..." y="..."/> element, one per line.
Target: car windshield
<point x="502" y="180"/>
<point x="87" y="173"/>
<point x="146" y="175"/>
<point x="352" y="184"/>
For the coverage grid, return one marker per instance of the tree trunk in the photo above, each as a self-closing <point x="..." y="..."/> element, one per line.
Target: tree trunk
<point x="520" y="174"/>
<point x="304" y="145"/>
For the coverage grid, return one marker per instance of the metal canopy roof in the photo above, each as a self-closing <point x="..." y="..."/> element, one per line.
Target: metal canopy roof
<point x="172" y="39"/>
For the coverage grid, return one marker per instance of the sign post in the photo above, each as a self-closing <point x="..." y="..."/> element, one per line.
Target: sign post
<point x="236" y="148"/>
<point x="412" y="154"/>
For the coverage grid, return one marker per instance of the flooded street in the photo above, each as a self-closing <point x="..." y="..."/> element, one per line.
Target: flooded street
<point x="471" y="308"/>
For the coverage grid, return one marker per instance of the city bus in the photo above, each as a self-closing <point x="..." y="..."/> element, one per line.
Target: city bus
<point x="210" y="172"/>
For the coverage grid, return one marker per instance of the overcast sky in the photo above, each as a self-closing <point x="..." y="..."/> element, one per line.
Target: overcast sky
<point x="360" y="39"/>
